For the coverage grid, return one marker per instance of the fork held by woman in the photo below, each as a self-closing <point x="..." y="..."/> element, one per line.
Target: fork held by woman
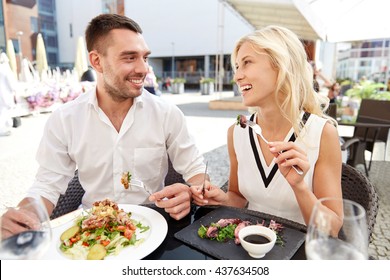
<point x="242" y="121"/>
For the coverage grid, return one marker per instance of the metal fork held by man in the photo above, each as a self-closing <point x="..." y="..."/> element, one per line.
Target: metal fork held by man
<point x="204" y="179"/>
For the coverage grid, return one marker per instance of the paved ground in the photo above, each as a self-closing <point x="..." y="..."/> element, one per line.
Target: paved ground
<point x="380" y="177"/>
<point x="209" y="127"/>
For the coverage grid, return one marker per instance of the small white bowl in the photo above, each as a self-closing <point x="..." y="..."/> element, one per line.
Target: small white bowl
<point x="257" y="251"/>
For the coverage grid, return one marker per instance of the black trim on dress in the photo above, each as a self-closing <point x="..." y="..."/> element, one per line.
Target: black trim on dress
<point x="256" y="153"/>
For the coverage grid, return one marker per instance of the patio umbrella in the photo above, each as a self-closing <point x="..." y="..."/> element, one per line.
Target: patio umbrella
<point x="12" y="57"/>
<point x="41" y="59"/>
<point x="81" y="62"/>
<point x="347" y="20"/>
<point x="328" y="20"/>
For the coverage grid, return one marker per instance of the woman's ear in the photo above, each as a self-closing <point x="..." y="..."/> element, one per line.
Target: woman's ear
<point x="94" y="59"/>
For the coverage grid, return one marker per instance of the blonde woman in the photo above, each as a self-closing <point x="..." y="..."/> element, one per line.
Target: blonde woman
<point x="275" y="78"/>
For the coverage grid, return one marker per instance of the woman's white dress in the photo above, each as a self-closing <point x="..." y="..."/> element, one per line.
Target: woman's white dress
<point x="264" y="186"/>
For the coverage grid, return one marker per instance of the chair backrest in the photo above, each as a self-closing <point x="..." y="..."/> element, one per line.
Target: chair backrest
<point x="71" y="200"/>
<point x="373" y="111"/>
<point x="172" y="176"/>
<point x="356" y="187"/>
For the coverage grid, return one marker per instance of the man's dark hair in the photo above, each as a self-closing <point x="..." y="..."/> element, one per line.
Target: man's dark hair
<point x="101" y="25"/>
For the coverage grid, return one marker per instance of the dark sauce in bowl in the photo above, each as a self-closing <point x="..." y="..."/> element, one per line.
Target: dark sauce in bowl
<point x="257" y="239"/>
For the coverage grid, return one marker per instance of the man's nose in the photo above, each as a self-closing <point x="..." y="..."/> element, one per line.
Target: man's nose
<point x="142" y="67"/>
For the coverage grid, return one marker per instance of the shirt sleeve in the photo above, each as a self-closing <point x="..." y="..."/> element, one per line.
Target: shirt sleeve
<point x="181" y="147"/>
<point x="56" y="168"/>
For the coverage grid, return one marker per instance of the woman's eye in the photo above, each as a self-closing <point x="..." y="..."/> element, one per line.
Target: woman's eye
<point x="246" y="62"/>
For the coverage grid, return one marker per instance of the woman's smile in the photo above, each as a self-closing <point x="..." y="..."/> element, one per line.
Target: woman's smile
<point x="245" y="88"/>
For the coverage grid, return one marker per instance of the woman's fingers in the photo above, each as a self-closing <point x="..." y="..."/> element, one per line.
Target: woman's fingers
<point x="289" y="155"/>
<point x="286" y="151"/>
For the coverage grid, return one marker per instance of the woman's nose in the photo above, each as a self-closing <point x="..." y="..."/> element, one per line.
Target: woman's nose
<point x="237" y="75"/>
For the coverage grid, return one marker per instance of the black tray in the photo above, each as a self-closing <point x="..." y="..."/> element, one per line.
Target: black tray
<point x="293" y="235"/>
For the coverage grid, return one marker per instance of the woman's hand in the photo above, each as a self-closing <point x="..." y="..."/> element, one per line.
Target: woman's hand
<point x="286" y="155"/>
<point x="210" y="195"/>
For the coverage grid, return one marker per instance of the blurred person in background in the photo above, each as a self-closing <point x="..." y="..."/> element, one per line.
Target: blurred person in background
<point x="8" y="85"/>
<point x="151" y="84"/>
<point x="332" y="87"/>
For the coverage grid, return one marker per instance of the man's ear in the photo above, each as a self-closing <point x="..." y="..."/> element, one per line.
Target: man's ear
<point x="94" y="59"/>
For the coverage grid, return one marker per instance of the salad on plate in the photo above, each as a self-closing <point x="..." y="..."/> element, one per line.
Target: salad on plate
<point x="101" y="231"/>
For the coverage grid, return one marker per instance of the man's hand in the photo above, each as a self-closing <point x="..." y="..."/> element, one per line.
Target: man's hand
<point x="24" y="217"/>
<point x="175" y="199"/>
<point x="16" y="220"/>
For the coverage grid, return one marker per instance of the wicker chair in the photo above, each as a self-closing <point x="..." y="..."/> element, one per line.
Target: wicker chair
<point x="356" y="187"/>
<point x="173" y="176"/>
<point x="71" y="200"/>
<point x="372" y="126"/>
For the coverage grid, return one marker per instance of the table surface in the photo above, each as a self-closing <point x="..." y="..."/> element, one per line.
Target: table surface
<point x="174" y="249"/>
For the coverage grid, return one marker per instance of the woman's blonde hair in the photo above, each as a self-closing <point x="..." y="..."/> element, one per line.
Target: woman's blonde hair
<point x="294" y="86"/>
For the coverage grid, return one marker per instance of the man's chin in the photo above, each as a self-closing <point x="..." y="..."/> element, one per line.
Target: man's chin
<point x="137" y="93"/>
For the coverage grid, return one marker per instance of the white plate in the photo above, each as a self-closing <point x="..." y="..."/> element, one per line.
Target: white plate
<point x="153" y="237"/>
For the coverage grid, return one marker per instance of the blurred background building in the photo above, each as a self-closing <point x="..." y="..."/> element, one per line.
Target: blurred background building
<point x="189" y="39"/>
<point x="370" y="59"/>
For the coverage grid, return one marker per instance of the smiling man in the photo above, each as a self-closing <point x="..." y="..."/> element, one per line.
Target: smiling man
<point x="118" y="128"/>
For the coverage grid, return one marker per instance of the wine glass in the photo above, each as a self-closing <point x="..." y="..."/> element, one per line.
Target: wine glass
<point x="25" y="231"/>
<point x="330" y="237"/>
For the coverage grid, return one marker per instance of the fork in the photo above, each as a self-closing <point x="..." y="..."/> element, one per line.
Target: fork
<point x="205" y="177"/>
<point x="139" y="184"/>
<point x="258" y="131"/>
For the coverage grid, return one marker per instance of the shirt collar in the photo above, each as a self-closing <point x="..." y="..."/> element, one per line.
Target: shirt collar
<point x="139" y="101"/>
<point x="92" y="100"/>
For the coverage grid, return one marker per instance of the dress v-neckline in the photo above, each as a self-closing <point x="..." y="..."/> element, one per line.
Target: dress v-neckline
<point x="268" y="168"/>
<point x="268" y="171"/>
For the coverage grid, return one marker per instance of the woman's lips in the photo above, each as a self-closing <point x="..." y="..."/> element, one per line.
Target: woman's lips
<point x="245" y="89"/>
